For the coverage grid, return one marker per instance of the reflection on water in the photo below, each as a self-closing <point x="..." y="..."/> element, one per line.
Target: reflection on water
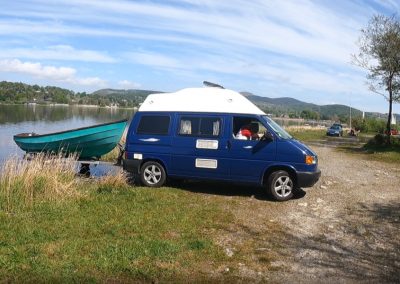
<point x="16" y="119"/>
<point x="32" y="113"/>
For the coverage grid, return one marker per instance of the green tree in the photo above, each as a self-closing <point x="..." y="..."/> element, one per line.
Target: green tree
<point x="309" y="114"/>
<point x="379" y="54"/>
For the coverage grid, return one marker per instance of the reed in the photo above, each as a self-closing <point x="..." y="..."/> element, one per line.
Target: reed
<point x="24" y="183"/>
<point x="116" y="182"/>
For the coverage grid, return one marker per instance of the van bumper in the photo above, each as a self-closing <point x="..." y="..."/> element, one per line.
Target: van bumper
<point x="131" y="165"/>
<point x="308" y="179"/>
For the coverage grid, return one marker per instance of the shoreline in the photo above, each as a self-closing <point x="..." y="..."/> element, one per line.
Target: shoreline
<point x="66" y="105"/>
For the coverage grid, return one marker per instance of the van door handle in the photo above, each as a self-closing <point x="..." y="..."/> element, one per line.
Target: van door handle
<point x="228" y="144"/>
<point x="150" y="140"/>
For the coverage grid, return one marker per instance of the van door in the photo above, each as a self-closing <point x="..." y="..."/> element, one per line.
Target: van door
<point x="149" y="137"/>
<point x="199" y="147"/>
<point x="249" y="156"/>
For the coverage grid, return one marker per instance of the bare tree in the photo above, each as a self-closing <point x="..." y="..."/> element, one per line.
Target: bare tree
<point x="379" y="54"/>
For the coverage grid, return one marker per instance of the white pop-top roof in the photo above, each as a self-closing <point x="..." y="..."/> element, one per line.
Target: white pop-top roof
<point x="207" y="99"/>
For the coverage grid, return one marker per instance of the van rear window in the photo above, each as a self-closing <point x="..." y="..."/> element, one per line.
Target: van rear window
<point x="200" y="126"/>
<point x="154" y="125"/>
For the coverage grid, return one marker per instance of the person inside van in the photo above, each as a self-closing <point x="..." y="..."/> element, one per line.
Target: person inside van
<point x="248" y="132"/>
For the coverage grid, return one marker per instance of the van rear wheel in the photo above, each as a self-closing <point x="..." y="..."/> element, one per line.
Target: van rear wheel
<point x="152" y="174"/>
<point x="280" y="185"/>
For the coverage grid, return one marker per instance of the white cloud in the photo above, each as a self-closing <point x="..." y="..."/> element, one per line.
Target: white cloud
<point x="286" y="74"/>
<point x="153" y="59"/>
<point x="296" y="45"/>
<point x="125" y="84"/>
<point x="57" y="52"/>
<point x="60" y="74"/>
<point x="301" y="28"/>
<point x="88" y="81"/>
<point x="36" y="69"/>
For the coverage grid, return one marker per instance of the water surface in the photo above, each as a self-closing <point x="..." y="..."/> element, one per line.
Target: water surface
<point x="15" y="119"/>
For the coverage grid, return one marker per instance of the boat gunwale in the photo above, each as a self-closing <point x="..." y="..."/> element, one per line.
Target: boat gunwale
<point x="23" y="135"/>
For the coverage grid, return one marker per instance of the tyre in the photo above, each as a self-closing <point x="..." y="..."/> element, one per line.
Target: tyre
<point x="152" y="174"/>
<point x="280" y="186"/>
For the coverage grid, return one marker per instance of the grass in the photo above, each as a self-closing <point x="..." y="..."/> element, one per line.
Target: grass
<point x="389" y="154"/>
<point x="379" y="151"/>
<point x="108" y="231"/>
<point x="137" y="234"/>
<point x="308" y="134"/>
<point x="362" y="146"/>
<point x="24" y="184"/>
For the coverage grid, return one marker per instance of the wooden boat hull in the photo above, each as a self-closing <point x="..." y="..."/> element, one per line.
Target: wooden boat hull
<point x="89" y="142"/>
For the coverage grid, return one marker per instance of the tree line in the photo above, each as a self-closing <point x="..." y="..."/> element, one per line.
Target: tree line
<point x="14" y="92"/>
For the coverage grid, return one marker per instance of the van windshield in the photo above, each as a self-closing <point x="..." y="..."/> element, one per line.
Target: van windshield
<point x="277" y="129"/>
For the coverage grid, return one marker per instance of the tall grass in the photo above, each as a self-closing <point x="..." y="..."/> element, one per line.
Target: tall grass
<point x="116" y="182"/>
<point x="23" y="183"/>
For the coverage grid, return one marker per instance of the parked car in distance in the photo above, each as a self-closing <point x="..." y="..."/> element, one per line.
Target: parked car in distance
<point x="335" y="130"/>
<point x="215" y="134"/>
<point x="337" y="124"/>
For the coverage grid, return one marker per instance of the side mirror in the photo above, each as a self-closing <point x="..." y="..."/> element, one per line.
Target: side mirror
<point x="267" y="136"/>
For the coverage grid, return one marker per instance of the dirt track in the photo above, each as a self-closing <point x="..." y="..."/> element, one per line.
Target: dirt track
<point x="344" y="229"/>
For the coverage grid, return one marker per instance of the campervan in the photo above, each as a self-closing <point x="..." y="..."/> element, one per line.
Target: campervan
<point x="213" y="133"/>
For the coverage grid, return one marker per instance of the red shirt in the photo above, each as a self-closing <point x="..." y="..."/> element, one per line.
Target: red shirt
<point x="246" y="132"/>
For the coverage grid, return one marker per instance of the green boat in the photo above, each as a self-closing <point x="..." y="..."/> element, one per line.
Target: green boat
<point x="88" y="142"/>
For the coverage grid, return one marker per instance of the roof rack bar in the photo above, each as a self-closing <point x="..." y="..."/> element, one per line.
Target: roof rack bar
<point x="209" y="84"/>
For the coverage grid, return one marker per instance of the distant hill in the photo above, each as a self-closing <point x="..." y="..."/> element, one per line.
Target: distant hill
<point x="288" y="105"/>
<point x="130" y="97"/>
<point x="275" y="106"/>
<point x="16" y="92"/>
<point x="131" y="92"/>
<point x="11" y="92"/>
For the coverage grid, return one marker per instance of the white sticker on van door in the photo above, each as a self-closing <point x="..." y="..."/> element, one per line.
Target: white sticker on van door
<point x="206" y="144"/>
<point x="206" y="163"/>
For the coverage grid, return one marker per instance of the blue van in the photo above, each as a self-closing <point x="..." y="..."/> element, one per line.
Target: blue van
<point x="215" y="134"/>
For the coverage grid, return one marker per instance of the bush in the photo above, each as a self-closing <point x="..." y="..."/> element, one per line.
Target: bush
<point x="369" y="124"/>
<point x="379" y="140"/>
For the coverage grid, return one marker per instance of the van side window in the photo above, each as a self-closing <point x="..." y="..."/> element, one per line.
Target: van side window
<point x="154" y="125"/>
<point x="247" y="128"/>
<point x="200" y="126"/>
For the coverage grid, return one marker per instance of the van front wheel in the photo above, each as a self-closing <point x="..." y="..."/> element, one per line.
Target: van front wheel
<point x="280" y="186"/>
<point x="152" y="174"/>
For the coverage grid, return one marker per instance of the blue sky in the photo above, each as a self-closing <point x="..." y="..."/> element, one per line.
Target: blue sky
<point x="298" y="48"/>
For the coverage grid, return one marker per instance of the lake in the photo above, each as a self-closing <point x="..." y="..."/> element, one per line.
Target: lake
<point x="42" y="119"/>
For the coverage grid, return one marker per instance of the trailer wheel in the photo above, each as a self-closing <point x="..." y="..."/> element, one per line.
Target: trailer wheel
<point x="152" y="174"/>
<point x="280" y="185"/>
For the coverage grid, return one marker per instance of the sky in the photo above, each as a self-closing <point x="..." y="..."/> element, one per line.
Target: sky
<point x="292" y="48"/>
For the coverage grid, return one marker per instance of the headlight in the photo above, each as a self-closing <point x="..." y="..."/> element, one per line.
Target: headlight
<point x="311" y="160"/>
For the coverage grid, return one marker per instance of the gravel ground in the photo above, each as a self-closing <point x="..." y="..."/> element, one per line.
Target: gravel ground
<point x="345" y="229"/>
